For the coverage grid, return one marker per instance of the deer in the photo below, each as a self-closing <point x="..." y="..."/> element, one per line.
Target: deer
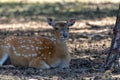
<point x="38" y="51"/>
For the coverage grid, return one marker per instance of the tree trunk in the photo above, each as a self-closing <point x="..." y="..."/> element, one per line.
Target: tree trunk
<point x="113" y="58"/>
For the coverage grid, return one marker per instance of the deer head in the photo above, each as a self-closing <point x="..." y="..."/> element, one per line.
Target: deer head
<point x="61" y="29"/>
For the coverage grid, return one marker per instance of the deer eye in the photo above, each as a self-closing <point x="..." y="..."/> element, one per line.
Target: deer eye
<point x="56" y="28"/>
<point x="67" y="28"/>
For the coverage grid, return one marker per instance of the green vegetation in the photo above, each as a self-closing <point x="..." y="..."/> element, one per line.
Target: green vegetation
<point x="39" y="11"/>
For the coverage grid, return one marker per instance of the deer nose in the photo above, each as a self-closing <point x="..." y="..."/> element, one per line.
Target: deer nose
<point x="65" y="35"/>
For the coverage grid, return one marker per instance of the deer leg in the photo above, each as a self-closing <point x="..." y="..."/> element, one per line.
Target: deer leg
<point x="65" y="62"/>
<point x="38" y="63"/>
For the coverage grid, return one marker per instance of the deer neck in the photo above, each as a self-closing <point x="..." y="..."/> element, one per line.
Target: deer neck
<point x="60" y="46"/>
<point x="60" y="42"/>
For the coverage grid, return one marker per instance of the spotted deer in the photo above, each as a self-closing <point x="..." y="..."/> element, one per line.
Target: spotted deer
<point x="39" y="52"/>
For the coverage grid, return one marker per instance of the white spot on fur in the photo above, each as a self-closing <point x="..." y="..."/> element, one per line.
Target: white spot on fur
<point x="18" y="54"/>
<point x="25" y="55"/>
<point x="8" y="45"/>
<point x="40" y="42"/>
<point x="21" y="42"/>
<point x="32" y="46"/>
<point x="49" y="53"/>
<point x="29" y="55"/>
<point x="33" y="49"/>
<point x="41" y="48"/>
<point x="27" y="47"/>
<point x="22" y="55"/>
<point x="37" y="48"/>
<point x="34" y="55"/>
<point x="39" y="52"/>
<point x="29" y="41"/>
<point x="42" y="55"/>
<point x="23" y="46"/>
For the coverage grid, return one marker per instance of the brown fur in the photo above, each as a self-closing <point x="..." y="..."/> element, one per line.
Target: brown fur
<point x="37" y="51"/>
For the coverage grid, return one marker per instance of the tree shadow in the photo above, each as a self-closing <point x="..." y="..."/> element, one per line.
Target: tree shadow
<point x="94" y="35"/>
<point x="38" y="12"/>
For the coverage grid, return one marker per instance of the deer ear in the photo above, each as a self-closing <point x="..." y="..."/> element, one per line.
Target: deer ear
<point x="50" y="21"/>
<point x="70" y="22"/>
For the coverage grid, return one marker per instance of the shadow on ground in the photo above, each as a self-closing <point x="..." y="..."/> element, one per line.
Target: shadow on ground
<point x="96" y="48"/>
<point x="10" y="12"/>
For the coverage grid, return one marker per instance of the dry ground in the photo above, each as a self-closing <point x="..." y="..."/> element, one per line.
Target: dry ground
<point x="89" y="41"/>
<point x="88" y="45"/>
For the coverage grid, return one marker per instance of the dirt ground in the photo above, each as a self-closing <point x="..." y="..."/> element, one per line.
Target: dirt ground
<point x="89" y="42"/>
